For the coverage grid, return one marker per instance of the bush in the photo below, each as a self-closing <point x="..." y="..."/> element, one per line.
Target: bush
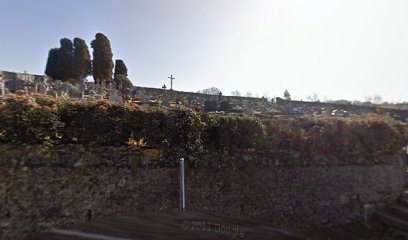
<point x="47" y="120"/>
<point x="177" y="128"/>
<point x="107" y="123"/>
<point x="29" y="120"/>
<point x="232" y="132"/>
<point x="94" y="122"/>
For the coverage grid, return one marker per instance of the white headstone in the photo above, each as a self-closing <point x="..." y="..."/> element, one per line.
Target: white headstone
<point x="2" y="89"/>
<point x="116" y="98"/>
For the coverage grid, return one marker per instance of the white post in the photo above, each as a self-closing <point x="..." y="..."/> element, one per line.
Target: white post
<point x="2" y="90"/>
<point x="182" y="186"/>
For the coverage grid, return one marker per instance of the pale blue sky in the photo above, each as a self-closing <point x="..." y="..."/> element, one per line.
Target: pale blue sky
<point x="344" y="49"/>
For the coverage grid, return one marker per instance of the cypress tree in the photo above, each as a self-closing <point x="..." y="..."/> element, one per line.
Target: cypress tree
<point x="65" y="60"/>
<point x="120" y="68"/>
<point x="102" y="59"/>
<point x="82" y="65"/>
<point x="120" y="76"/>
<point x="52" y="60"/>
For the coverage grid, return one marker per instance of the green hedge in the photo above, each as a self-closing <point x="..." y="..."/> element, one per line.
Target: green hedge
<point x="39" y="120"/>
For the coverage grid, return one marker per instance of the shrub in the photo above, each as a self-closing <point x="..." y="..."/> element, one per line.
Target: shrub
<point x="94" y="122"/>
<point x="47" y="120"/>
<point x="232" y="132"/>
<point x="29" y="120"/>
<point x="172" y="128"/>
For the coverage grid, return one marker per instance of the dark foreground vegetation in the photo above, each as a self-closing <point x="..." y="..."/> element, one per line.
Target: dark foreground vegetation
<point x="45" y="120"/>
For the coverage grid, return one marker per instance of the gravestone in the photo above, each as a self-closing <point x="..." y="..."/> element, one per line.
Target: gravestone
<point x="2" y="86"/>
<point x="2" y="89"/>
<point x="15" y="85"/>
<point x="42" y="87"/>
<point x="114" y="94"/>
<point x="83" y="87"/>
<point x="116" y="98"/>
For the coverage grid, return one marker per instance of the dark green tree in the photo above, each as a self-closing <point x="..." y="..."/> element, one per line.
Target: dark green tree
<point x="102" y="59"/>
<point x="82" y="65"/>
<point x="120" y="76"/>
<point x="52" y="60"/>
<point x="59" y="62"/>
<point x="120" y="68"/>
<point x="65" y="60"/>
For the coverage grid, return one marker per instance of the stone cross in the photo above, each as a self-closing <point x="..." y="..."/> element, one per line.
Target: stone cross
<point x="171" y="81"/>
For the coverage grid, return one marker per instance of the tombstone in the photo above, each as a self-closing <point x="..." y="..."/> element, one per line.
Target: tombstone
<point x="102" y="89"/>
<point x="116" y="98"/>
<point x="42" y="87"/>
<point x="67" y="89"/>
<point x="83" y="87"/>
<point x="2" y="85"/>
<point x="31" y="86"/>
<point x="15" y="85"/>
<point x="56" y="87"/>
<point x="2" y="89"/>
<point x="114" y="94"/>
<point x="92" y="93"/>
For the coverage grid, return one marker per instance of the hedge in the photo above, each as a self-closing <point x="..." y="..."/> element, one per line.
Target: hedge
<point x="45" y="120"/>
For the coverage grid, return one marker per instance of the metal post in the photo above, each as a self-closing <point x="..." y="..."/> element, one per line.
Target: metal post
<point x="182" y="186"/>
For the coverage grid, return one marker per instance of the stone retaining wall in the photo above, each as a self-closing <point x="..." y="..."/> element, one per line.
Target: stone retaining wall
<point x="41" y="188"/>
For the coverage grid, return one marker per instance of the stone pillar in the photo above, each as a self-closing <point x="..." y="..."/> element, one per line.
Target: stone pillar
<point x="2" y="89"/>
<point x="2" y="84"/>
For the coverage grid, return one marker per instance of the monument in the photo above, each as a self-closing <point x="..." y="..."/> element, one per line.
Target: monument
<point x="42" y="87"/>
<point x="2" y="86"/>
<point x="171" y="81"/>
<point x="15" y="85"/>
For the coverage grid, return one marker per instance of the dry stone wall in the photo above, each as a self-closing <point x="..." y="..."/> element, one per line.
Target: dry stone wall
<point x="43" y="187"/>
<point x="280" y="107"/>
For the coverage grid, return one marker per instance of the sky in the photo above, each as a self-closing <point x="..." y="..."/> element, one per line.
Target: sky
<point x="337" y="49"/>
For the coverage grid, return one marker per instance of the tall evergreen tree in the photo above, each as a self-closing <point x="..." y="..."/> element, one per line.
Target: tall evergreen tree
<point x="51" y="67"/>
<point x="120" y="76"/>
<point x="120" y="68"/>
<point x="102" y="59"/>
<point x="65" y="60"/>
<point x="82" y="65"/>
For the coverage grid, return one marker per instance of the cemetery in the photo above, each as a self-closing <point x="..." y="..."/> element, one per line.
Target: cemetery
<point x="27" y="84"/>
<point x="75" y="154"/>
<point x="255" y="120"/>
